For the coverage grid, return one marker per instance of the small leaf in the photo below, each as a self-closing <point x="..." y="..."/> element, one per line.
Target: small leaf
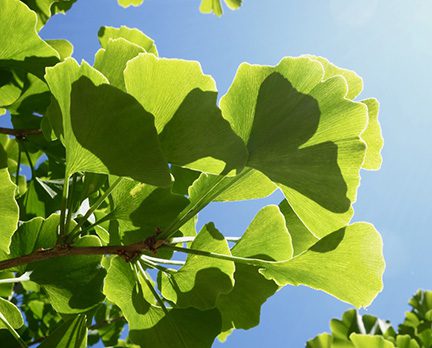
<point x="127" y="3"/>
<point x="133" y="35"/>
<point x="11" y="313"/>
<point x="63" y="47"/>
<point x="201" y="280"/>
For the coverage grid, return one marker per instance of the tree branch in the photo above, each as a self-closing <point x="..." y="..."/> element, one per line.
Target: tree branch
<point x="128" y="252"/>
<point x="20" y="133"/>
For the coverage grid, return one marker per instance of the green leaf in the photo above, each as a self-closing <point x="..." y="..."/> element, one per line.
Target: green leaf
<point x="111" y="60"/>
<point x="367" y="341"/>
<point x="251" y="185"/>
<point x="47" y="8"/>
<point x="302" y="238"/>
<point x="372" y="137"/>
<point x="149" y="324"/>
<point x="201" y="280"/>
<point x="215" y="6"/>
<point x="162" y="84"/>
<point x="33" y="235"/>
<point x="372" y="134"/>
<point x="103" y="128"/>
<point x="8" y="206"/>
<point x="183" y="101"/>
<point x="63" y="47"/>
<point x="127" y="3"/>
<point x="354" y="82"/>
<point x="133" y="35"/>
<point x="145" y="206"/>
<point x="72" y="283"/>
<point x="321" y="341"/>
<point x="347" y="264"/>
<point x="11" y="313"/>
<point x="71" y="334"/>
<point x="303" y="134"/>
<point x="21" y="45"/>
<point x="405" y="341"/>
<point x="265" y="238"/>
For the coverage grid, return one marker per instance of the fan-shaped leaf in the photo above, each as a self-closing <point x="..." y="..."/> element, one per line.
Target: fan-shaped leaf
<point x="201" y="280"/>
<point x="347" y="264"/>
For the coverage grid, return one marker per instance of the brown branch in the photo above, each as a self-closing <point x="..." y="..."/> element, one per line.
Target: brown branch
<point x="20" y="133"/>
<point x="128" y="252"/>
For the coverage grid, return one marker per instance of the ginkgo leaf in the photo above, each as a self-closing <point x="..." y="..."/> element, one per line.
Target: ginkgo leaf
<point x="32" y="235"/>
<point x="347" y="264"/>
<point x="11" y="313"/>
<point x="372" y="137"/>
<point x="162" y="84"/>
<point x="367" y="341"/>
<point x="183" y="102"/>
<point x="250" y="185"/>
<point x="147" y="207"/>
<point x="201" y="280"/>
<point x="97" y="138"/>
<point x="372" y="133"/>
<point x="63" y="47"/>
<point x="127" y="3"/>
<point x="111" y="60"/>
<point x="9" y="211"/>
<point x="266" y="238"/>
<point x="150" y="324"/>
<point x="21" y="45"/>
<point x="303" y="134"/>
<point x="72" y="283"/>
<point x="133" y="35"/>
<point x="72" y="333"/>
<point x="215" y="6"/>
<point x="302" y="238"/>
<point x="354" y="81"/>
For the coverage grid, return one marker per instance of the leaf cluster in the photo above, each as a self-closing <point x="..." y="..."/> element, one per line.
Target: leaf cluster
<point x="355" y="330"/>
<point x="108" y="165"/>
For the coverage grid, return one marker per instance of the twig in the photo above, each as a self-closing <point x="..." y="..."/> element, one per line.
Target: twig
<point x="20" y="133"/>
<point x="127" y="252"/>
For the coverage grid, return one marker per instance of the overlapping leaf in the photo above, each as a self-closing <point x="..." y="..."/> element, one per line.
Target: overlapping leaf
<point x="303" y="134"/>
<point x="146" y="207"/>
<point x="183" y="102"/>
<point x="132" y="35"/>
<point x="96" y="136"/>
<point x="266" y="238"/>
<point x="201" y="280"/>
<point x="215" y="6"/>
<point x="150" y="324"/>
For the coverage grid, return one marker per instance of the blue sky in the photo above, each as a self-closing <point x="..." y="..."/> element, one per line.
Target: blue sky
<point x="388" y="43"/>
